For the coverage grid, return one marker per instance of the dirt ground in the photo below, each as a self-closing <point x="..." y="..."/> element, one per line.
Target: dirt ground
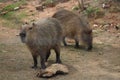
<point x="102" y="63"/>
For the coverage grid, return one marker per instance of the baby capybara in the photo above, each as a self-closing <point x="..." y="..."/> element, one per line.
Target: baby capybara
<point x="75" y="27"/>
<point x="40" y="37"/>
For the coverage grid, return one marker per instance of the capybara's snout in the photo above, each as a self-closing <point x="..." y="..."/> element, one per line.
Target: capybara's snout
<point x="89" y="47"/>
<point x="22" y="34"/>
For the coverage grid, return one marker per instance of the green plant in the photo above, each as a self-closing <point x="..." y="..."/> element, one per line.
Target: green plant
<point x="49" y="3"/>
<point x="13" y="19"/>
<point x="93" y="12"/>
<point x="12" y="6"/>
<point x="90" y="11"/>
<point x="75" y="8"/>
<point x="3" y="0"/>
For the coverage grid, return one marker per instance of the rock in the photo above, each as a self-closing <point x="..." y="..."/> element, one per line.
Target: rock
<point x="16" y="8"/>
<point x="95" y="25"/>
<point x="105" y="5"/>
<point x="40" y="8"/>
<point x="52" y="70"/>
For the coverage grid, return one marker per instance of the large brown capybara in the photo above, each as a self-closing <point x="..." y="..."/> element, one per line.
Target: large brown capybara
<point x="75" y="27"/>
<point x="40" y="37"/>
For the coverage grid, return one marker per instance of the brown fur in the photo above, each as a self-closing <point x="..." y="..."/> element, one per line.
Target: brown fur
<point x="74" y="27"/>
<point x="42" y="36"/>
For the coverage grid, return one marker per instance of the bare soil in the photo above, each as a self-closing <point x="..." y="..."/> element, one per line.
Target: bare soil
<point x="102" y="63"/>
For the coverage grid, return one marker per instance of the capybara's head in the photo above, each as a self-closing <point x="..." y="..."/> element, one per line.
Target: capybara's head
<point x="86" y="33"/>
<point x="25" y="29"/>
<point x="87" y="39"/>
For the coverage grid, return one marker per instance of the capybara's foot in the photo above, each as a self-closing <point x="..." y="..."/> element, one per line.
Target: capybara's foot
<point x="65" y="44"/>
<point x="76" y="46"/>
<point x="89" y="48"/>
<point x="34" y="67"/>
<point x="59" y="62"/>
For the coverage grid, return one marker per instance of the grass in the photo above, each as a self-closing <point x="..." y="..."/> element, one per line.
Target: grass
<point x="13" y="15"/>
<point x="94" y="12"/>
<point x="75" y="8"/>
<point x="13" y="18"/>
<point x="49" y="3"/>
<point x="90" y="11"/>
<point x="3" y="0"/>
<point x="12" y="6"/>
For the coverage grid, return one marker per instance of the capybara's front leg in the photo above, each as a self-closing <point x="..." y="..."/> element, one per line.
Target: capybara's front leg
<point x="35" y="61"/>
<point x="57" y="51"/>
<point x="43" y="59"/>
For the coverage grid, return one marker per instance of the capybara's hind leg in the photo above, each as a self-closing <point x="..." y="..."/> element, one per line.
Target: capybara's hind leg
<point x="47" y="55"/>
<point x="35" y="62"/>
<point x="76" y="43"/>
<point x="57" y="51"/>
<point x="64" y="42"/>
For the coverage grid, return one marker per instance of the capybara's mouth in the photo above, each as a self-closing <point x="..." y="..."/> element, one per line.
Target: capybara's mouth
<point x="89" y="48"/>
<point x="22" y="36"/>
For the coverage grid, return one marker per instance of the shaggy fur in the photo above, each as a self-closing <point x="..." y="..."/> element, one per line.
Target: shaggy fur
<point x="42" y="36"/>
<point x="75" y="27"/>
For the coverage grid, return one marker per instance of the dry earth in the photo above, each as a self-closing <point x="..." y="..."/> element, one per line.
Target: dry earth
<point x="102" y="63"/>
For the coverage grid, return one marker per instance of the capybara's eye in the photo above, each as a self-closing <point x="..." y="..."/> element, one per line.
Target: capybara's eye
<point x="30" y="28"/>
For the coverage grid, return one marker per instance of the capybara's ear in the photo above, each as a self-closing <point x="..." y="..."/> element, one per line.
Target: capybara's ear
<point x="26" y="23"/>
<point x="33" y="24"/>
<point x="90" y="31"/>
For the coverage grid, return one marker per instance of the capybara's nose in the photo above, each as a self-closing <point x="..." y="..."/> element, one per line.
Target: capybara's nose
<point x="22" y="34"/>
<point x="89" y="48"/>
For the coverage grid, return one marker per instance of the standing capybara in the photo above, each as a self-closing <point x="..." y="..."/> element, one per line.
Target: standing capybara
<point x="40" y="37"/>
<point x="75" y="27"/>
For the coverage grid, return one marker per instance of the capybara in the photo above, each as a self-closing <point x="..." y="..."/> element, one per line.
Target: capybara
<point x="40" y="37"/>
<point x="75" y="27"/>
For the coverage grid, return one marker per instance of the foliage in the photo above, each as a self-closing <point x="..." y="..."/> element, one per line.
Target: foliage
<point x="49" y="3"/>
<point x="12" y="6"/>
<point x="75" y="8"/>
<point x="93" y="12"/>
<point x="90" y="11"/>
<point x="2" y="0"/>
<point x="13" y="18"/>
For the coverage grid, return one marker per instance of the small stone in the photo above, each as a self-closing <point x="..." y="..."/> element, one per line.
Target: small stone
<point x="16" y="8"/>
<point x="40" y="8"/>
<point x="95" y="25"/>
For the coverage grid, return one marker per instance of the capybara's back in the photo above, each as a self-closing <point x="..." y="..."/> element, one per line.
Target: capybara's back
<point x="75" y="27"/>
<point x="45" y="32"/>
